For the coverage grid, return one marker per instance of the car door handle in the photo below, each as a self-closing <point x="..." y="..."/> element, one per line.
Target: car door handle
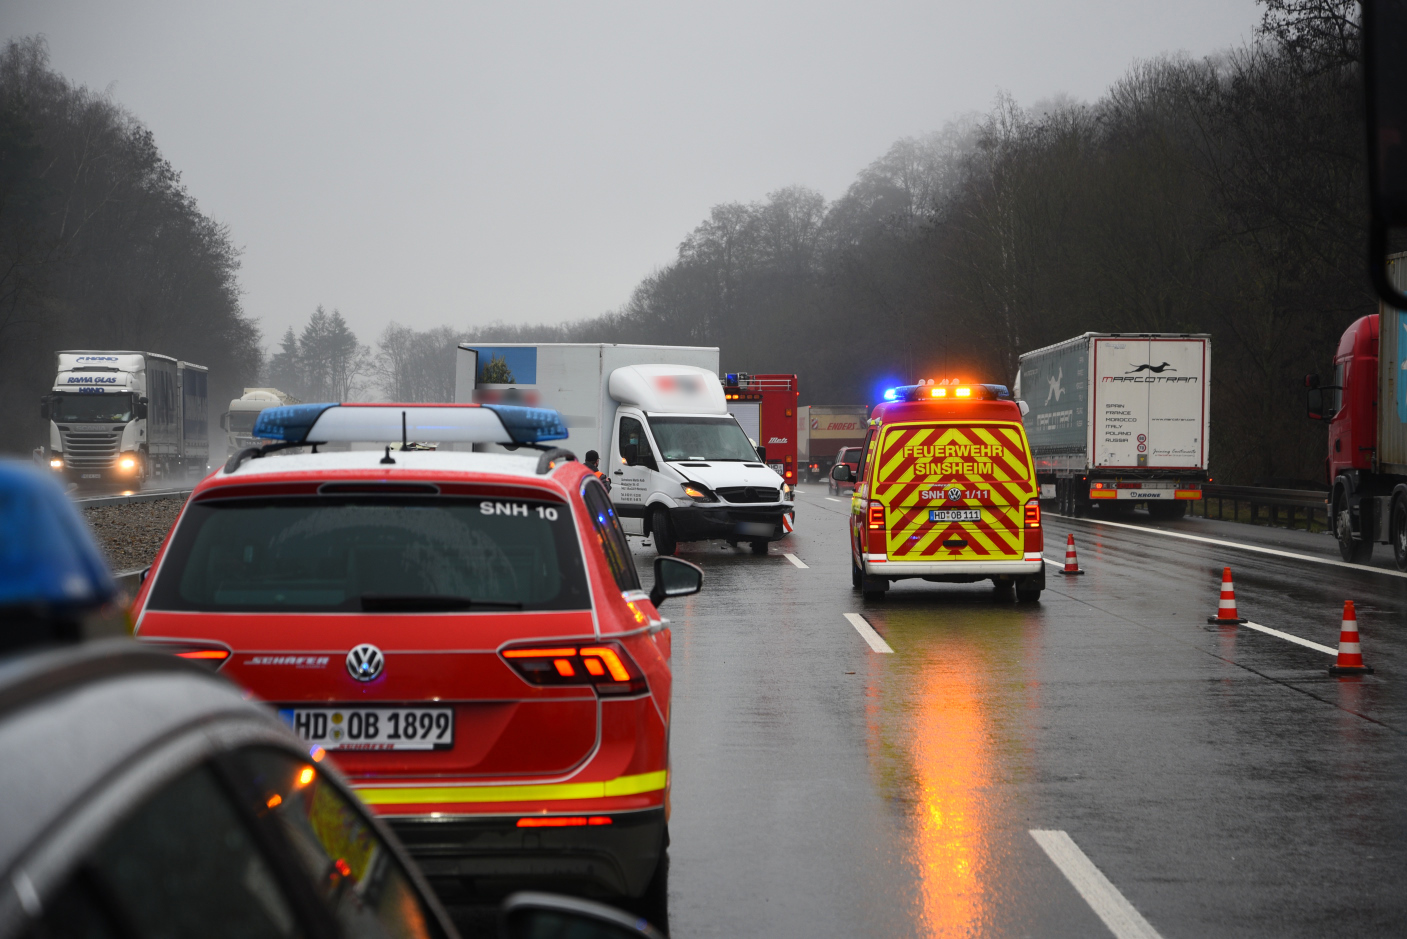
<point x="620" y="472"/>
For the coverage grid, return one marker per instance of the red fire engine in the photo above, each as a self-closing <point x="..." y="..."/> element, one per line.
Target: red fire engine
<point x="765" y="406"/>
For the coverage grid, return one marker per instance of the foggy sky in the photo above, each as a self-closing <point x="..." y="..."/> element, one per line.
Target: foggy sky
<point x="455" y="164"/>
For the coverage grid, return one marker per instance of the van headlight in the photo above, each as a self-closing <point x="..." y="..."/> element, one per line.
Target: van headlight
<point x="698" y="492"/>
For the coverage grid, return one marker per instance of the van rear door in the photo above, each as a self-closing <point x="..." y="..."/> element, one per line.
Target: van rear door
<point x="954" y="491"/>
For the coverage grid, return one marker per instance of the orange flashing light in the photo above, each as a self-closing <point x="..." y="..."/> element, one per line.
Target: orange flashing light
<point x="305" y="775"/>
<point x="563" y="821"/>
<point x="963" y="392"/>
<point x="536" y="653"/>
<point x="612" y="661"/>
<point x="275" y="801"/>
<point x="939" y="392"/>
<point x="564" y="668"/>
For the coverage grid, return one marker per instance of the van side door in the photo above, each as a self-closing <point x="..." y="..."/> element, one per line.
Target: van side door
<point x="632" y="465"/>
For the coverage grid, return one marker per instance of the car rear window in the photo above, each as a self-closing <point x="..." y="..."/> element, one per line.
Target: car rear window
<point x="372" y="554"/>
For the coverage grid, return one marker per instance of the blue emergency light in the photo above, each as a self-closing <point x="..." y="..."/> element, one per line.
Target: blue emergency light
<point x="928" y="391"/>
<point x="442" y="423"/>
<point x="48" y="561"/>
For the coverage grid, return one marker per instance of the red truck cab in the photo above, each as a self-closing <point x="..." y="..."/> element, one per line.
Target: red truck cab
<point x="1352" y="401"/>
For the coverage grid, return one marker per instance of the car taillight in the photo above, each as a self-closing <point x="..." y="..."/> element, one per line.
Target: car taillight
<point x="1033" y="514"/>
<point x="210" y="654"/>
<point x="563" y="821"/>
<point x="876" y="516"/>
<point x="606" y="666"/>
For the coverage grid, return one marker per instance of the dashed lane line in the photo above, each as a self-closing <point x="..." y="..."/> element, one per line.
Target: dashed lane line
<point x="834" y="499"/>
<point x="1248" y="547"/>
<point x="1249" y="625"/>
<point x="1104" y="898"/>
<point x="867" y="633"/>
<point x="795" y="560"/>
<point x="1289" y="638"/>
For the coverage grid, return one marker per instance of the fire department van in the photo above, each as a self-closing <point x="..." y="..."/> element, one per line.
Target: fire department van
<point x="946" y="491"/>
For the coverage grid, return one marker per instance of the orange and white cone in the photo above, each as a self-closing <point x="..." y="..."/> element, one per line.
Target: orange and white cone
<point x="1226" y="607"/>
<point x="1072" y="563"/>
<point x="1350" y="661"/>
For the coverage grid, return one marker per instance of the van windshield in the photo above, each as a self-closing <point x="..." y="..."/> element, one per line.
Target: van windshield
<point x="326" y="554"/>
<point x="702" y="438"/>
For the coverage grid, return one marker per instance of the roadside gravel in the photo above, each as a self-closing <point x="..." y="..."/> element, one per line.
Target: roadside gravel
<point x="131" y="533"/>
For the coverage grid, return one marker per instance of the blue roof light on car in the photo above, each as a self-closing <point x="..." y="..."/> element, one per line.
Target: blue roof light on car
<point x="47" y="557"/>
<point x="530" y="425"/>
<point x="289" y="423"/>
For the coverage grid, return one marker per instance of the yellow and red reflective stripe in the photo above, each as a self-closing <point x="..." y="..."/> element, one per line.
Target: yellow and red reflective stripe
<point x="529" y="792"/>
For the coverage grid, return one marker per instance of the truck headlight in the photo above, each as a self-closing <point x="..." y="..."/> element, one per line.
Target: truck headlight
<point x="56" y="463"/>
<point x="127" y="463"/>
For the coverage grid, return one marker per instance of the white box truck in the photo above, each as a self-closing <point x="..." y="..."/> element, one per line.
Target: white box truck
<point x="1116" y="419"/>
<point x="120" y="418"/>
<point x="680" y="466"/>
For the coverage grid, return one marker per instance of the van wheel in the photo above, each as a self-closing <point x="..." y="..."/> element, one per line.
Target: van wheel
<point x="1028" y="589"/>
<point x="856" y="576"/>
<point x="873" y="588"/>
<point x="663" y="531"/>
<point x="1003" y="591"/>
<point x="759" y="546"/>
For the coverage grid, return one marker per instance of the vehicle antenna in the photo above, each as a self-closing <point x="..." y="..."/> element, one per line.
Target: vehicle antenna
<point x="388" y="458"/>
<point x="403" y="438"/>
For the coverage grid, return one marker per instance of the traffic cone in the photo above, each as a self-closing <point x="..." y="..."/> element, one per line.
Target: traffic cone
<point x="1072" y="563"/>
<point x="1226" y="613"/>
<point x="1350" y="661"/>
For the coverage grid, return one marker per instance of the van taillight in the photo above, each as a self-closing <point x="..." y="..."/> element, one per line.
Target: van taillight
<point x="1033" y="514"/>
<point x="876" y="516"/>
<point x="605" y="666"/>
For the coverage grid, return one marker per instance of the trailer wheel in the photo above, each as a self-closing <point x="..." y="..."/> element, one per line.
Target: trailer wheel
<point x="1398" y="528"/>
<point x="662" y="530"/>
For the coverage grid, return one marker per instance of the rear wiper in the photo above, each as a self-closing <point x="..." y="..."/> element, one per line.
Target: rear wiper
<point x="429" y="603"/>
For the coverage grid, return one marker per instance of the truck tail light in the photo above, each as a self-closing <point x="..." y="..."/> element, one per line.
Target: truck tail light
<point x="876" y="516"/>
<point x="1033" y="514"/>
<point x="606" y="666"/>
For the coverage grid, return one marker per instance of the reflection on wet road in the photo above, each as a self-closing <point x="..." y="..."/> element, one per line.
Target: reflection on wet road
<point x="1219" y="778"/>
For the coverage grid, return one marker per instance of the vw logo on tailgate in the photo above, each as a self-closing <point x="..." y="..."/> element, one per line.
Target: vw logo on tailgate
<point x="365" y="662"/>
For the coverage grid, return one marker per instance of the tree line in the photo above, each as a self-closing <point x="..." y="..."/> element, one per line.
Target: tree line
<point x="101" y="246"/>
<point x="1223" y="195"/>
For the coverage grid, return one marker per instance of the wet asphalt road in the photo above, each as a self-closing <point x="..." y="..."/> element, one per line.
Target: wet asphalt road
<point x="1218" y="777"/>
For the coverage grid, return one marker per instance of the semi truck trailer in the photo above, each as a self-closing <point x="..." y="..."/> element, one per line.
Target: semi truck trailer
<point x="1118" y="419"/>
<point x="1365" y="406"/>
<point x="823" y="430"/>
<point x="680" y="465"/>
<point x="119" y="418"/>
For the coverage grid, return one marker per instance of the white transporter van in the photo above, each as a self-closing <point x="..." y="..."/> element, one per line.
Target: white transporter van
<point x="680" y="466"/>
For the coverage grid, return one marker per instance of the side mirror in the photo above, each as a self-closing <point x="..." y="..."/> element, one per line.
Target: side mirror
<point x="631" y="452"/>
<point x="141" y="409"/>
<point x="1025" y="408"/>
<point x="1384" y="32"/>
<point x="761" y="454"/>
<point x="225" y="421"/>
<point x="841" y="473"/>
<point x="538" y="915"/>
<point x="675" y="577"/>
<point x="1315" y="404"/>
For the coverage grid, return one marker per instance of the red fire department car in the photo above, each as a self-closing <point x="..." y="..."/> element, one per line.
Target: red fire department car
<point x="465" y="632"/>
<point x="946" y="492"/>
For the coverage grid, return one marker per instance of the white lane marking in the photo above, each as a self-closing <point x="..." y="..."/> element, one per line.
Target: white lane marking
<point x="1289" y="638"/>
<point x="834" y="499"/>
<point x="867" y="633"/>
<point x="1249" y="547"/>
<point x="1103" y="897"/>
<point x="795" y="560"/>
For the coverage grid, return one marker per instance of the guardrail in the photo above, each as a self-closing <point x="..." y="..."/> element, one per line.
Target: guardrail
<point x="88" y="502"/>
<point x="1312" y="501"/>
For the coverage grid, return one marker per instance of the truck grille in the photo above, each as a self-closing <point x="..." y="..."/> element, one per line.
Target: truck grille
<point x="750" y="494"/>
<point x="90" y="449"/>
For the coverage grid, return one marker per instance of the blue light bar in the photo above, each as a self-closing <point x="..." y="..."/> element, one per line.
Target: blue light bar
<point x="530" y="425"/>
<point x="892" y="394"/>
<point x="288" y="423"/>
<point x="47" y="555"/>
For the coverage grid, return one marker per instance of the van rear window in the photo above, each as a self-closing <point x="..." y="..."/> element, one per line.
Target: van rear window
<point x="326" y="554"/>
<point x="954" y="452"/>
